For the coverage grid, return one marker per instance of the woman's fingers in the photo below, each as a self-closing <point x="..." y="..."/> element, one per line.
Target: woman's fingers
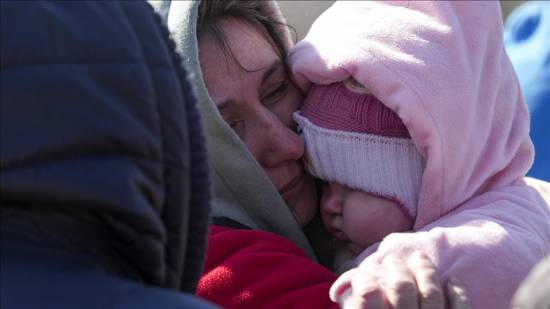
<point x="456" y="295"/>
<point x="390" y="282"/>
<point x="399" y="284"/>
<point x="366" y="290"/>
<point x="342" y="287"/>
<point x="358" y="288"/>
<point x="430" y="293"/>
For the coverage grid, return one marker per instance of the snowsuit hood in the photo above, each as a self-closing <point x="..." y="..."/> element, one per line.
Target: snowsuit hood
<point x="449" y="80"/>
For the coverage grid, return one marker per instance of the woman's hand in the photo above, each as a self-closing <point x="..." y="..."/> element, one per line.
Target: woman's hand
<point x="393" y="283"/>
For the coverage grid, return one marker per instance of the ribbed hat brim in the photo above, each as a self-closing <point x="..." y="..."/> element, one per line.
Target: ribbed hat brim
<point x="389" y="167"/>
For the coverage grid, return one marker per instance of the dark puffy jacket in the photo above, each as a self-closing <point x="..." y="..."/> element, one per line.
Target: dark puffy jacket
<point x="104" y="187"/>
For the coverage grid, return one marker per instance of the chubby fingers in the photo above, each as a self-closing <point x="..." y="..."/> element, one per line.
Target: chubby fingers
<point x="430" y="293"/>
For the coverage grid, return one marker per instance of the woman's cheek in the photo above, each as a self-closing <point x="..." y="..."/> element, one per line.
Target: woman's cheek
<point x="285" y="109"/>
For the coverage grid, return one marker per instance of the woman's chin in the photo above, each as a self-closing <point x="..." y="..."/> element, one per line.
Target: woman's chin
<point x="304" y="206"/>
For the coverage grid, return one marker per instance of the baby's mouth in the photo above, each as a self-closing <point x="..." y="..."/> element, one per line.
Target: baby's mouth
<point x="335" y="229"/>
<point x="339" y="235"/>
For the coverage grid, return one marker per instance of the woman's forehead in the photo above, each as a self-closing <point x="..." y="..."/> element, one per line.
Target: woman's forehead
<point x="250" y="49"/>
<point x="223" y="76"/>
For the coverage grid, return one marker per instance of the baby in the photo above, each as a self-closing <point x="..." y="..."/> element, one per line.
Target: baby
<point x="364" y="152"/>
<point x="431" y="137"/>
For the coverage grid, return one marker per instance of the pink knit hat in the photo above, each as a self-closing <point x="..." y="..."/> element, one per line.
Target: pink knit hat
<point x="355" y="140"/>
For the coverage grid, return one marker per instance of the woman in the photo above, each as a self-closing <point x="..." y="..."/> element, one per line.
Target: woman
<point x="262" y="196"/>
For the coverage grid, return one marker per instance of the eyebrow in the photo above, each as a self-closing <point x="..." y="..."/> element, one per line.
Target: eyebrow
<point x="272" y="68"/>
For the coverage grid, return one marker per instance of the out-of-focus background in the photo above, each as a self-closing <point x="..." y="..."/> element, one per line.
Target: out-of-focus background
<point x="301" y="14"/>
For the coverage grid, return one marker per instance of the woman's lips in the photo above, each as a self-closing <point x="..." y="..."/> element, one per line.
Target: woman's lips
<point x="288" y="189"/>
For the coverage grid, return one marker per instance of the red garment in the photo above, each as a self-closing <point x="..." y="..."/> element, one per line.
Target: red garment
<point x="255" y="269"/>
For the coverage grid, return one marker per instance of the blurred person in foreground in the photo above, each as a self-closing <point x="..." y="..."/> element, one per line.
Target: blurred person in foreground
<point x="104" y="181"/>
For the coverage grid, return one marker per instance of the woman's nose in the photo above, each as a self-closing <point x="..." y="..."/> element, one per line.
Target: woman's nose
<point x="280" y="143"/>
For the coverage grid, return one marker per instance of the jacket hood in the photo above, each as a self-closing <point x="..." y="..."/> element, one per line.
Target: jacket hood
<point x="242" y="190"/>
<point x="101" y="144"/>
<point x="441" y="66"/>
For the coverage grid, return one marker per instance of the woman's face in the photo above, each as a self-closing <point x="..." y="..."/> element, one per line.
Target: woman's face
<point x="258" y="103"/>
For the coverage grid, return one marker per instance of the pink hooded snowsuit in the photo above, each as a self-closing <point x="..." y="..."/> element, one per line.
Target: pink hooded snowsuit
<point x="441" y="66"/>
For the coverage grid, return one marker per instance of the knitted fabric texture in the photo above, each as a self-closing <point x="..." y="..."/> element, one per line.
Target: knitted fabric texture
<point x="353" y="139"/>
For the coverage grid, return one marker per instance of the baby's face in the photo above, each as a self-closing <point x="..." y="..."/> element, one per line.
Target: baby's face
<point x="358" y="218"/>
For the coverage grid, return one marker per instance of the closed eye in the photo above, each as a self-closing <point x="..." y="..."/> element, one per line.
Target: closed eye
<point x="276" y="94"/>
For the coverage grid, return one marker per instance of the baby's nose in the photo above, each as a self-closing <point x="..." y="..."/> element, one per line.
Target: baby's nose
<point x="331" y="203"/>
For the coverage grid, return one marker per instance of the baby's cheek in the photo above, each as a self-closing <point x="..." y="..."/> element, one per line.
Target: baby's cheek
<point x="361" y="225"/>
